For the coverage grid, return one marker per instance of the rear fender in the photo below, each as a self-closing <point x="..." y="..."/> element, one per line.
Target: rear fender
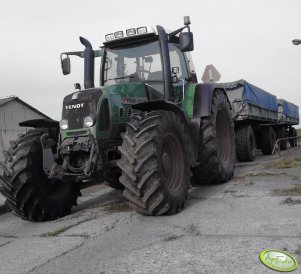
<point x="203" y="97"/>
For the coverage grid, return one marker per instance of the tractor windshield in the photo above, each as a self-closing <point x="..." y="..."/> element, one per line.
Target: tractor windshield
<point x="138" y="63"/>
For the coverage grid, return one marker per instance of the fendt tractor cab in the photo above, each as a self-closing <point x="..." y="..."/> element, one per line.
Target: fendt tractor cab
<point x="146" y="129"/>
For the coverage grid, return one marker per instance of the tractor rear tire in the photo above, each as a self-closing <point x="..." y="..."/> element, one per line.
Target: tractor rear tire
<point x="268" y="140"/>
<point x="28" y="191"/>
<point x="155" y="163"/>
<point x="292" y="133"/>
<point x="217" y="144"/>
<point x="282" y="134"/>
<point x="245" y="144"/>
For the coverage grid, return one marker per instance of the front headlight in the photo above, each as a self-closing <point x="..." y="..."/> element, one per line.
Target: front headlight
<point x="64" y="124"/>
<point x="88" y="121"/>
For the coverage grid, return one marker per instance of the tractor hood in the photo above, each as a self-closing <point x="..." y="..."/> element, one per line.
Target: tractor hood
<point x="118" y="98"/>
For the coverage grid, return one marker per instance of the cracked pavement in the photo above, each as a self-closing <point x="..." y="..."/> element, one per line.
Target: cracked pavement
<point x="223" y="229"/>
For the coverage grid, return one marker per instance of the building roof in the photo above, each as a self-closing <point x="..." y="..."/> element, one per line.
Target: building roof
<point x="17" y="99"/>
<point x="6" y="100"/>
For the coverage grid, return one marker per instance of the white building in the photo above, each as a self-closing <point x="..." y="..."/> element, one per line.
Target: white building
<point x="13" y="111"/>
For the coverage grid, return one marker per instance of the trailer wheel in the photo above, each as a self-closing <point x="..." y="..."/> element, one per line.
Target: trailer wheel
<point x="217" y="143"/>
<point x="282" y="134"/>
<point x="292" y="133"/>
<point x="245" y="143"/>
<point x="268" y="140"/>
<point x="28" y="191"/>
<point x="155" y="163"/>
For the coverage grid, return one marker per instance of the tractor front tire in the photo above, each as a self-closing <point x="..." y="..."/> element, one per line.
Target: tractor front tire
<point x="28" y="191"/>
<point x="217" y="143"/>
<point x="155" y="163"/>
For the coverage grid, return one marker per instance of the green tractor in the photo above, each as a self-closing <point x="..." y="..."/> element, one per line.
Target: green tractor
<point x="149" y="129"/>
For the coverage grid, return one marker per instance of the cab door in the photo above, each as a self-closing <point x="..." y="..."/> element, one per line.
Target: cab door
<point x="179" y="72"/>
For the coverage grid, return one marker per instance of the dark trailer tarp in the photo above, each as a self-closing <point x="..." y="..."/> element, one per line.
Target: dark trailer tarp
<point x="250" y="102"/>
<point x="288" y="112"/>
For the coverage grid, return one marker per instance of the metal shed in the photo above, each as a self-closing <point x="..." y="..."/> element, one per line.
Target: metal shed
<point x="13" y="111"/>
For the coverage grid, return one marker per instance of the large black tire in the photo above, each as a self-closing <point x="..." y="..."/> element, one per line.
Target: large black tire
<point x="29" y="193"/>
<point x="217" y="144"/>
<point x="155" y="163"/>
<point x="281" y="133"/>
<point x="245" y="143"/>
<point x="268" y="140"/>
<point x="292" y="133"/>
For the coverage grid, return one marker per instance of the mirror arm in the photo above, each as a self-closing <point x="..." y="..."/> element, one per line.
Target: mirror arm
<point x="97" y="53"/>
<point x="76" y="53"/>
<point x="178" y="31"/>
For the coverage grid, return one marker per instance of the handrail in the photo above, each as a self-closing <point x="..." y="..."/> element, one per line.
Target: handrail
<point x="287" y="138"/>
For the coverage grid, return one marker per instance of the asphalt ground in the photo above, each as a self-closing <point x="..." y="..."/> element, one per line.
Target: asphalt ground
<point x="223" y="228"/>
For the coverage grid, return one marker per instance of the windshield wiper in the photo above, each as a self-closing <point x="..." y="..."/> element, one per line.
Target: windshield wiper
<point x="118" y="78"/>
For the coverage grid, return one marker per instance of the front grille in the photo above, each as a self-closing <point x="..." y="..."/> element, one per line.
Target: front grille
<point x="76" y="117"/>
<point x="75" y="110"/>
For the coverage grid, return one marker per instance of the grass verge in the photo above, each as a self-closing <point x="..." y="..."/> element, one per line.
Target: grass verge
<point x="285" y="163"/>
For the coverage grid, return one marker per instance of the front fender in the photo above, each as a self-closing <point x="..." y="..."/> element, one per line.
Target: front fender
<point x="162" y="105"/>
<point x="35" y="123"/>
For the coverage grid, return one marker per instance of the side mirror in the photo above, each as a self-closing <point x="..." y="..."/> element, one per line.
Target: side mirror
<point x="174" y="78"/>
<point x="66" y="67"/>
<point x="175" y="70"/>
<point x="186" y="41"/>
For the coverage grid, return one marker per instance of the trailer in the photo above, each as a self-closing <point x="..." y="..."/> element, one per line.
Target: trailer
<point x="288" y="115"/>
<point x="259" y="119"/>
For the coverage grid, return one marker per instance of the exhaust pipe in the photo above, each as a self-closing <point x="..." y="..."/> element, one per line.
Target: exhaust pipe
<point x="89" y="63"/>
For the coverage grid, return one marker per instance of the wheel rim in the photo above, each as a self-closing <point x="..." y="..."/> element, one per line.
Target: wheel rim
<point x="223" y="135"/>
<point x="172" y="162"/>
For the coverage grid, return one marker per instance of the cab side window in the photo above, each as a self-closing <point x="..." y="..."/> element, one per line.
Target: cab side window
<point x="177" y="60"/>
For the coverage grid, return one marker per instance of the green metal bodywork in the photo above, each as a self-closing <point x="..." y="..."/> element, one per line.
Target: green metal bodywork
<point x="121" y="98"/>
<point x="188" y="103"/>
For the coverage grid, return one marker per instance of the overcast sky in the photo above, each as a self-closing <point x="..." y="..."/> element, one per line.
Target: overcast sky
<point x="248" y="40"/>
